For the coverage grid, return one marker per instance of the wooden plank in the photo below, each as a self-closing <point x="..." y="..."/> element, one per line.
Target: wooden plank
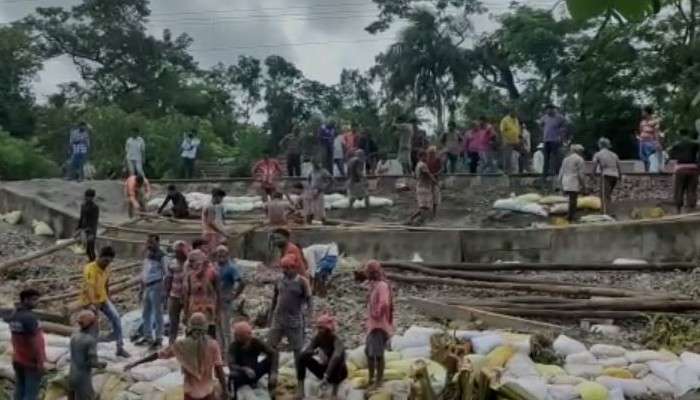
<point x="527" y="266"/>
<point x="490" y="319"/>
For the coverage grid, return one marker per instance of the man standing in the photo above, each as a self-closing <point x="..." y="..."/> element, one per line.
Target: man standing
<point x="379" y="323"/>
<point x="152" y="289"/>
<point x="685" y="177"/>
<point x="28" y="347"/>
<point x="291" y="296"/>
<point x="189" y="149"/>
<point x="572" y="178"/>
<point x="83" y="358"/>
<point x="201" y="290"/>
<point x="554" y="128"/>
<point x="332" y="370"/>
<point x="351" y="139"/>
<point x="87" y="225"/>
<point x="367" y="144"/>
<point x="79" y="145"/>
<point x="649" y="138"/>
<point x="481" y="140"/>
<point x="287" y="248"/>
<point x="608" y="164"/>
<point x="510" y="138"/>
<point x="213" y="230"/>
<point x="357" y="179"/>
<point x="135" y="153"/>
<point x="180" y="208"/>
<point x="292" y="142"/>
<point x="326" y="136"/>
<point x="137" y="190"/>
<point x="244" y="363"/>
<point x="200" y="358"/>
<point x="267" y="172"/>
<point x="174" y="281"/>
<point x="231" y="285"/>
<point x="419" y="143"/>
<point x="318" y="182"/>
<point x="94" y="296"/>
<point x="339" y="152"/>
<point x="426" y="191"/>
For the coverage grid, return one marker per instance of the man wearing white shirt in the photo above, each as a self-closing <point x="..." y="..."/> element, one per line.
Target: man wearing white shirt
<point x="189" y="147"/>
<point x="322" y="260"/>
<point x="135" y="153"/>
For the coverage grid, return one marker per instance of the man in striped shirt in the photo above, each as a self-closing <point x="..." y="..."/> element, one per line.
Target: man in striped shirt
<point x="174" y="279"/>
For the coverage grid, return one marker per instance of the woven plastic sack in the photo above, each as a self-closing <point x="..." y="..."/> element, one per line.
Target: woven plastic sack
<point x="631" y="388"/>
<point x="592" y="391"/>
<point x="565" y="345"/>
<point x="607" y="351"/>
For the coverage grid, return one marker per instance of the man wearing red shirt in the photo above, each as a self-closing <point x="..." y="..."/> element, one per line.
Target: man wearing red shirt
<point x="267" y="172"/>
<point x="29" y="352"/>
<point x="287" y="248"/>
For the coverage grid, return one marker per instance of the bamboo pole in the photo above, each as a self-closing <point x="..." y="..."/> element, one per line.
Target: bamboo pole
<point x="56" y="329"/>
<point x="620" y="304"/>
<point x="120" y="268"/>
<point x="555" y="289"/>
<point x="485" y="277"/>
<point x="75" y="293"/>
<point x="527" y="266"/>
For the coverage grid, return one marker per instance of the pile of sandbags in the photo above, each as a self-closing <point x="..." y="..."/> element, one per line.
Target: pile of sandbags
<point x="12" y="217"/>
<point x="533" y="203"/>
<point x="238" y="204"/>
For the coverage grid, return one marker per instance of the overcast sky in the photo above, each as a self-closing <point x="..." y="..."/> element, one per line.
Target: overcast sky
<point x="321" y="37"/>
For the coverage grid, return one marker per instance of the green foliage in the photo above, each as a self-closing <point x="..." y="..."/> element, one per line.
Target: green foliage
<point x="634" y="10"/>
<point x="19" y="62"/>
<point x="111" y="126"/>
<point x="19" y="159"/>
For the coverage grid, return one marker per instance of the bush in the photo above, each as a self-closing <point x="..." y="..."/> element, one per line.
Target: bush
<point x="111" y="126"/>
<point x="20" y="159"/>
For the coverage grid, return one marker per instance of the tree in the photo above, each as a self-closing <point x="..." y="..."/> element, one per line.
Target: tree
<point x="108" y="43"/>
<point x="425" y="65"/>
<point x="242" y="84"/>
<point x="20" y="60"/>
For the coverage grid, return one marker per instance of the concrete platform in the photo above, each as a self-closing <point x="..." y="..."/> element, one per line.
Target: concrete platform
<point x="666" y="239"/>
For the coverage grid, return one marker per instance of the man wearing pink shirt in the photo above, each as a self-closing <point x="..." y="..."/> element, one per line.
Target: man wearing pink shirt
<point x="380" y="321"/>
<point x="480" y="144"/>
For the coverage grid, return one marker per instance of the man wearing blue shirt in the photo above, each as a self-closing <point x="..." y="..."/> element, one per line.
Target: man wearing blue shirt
<point x="152" y="281"/>
<point x="231" y="285"/>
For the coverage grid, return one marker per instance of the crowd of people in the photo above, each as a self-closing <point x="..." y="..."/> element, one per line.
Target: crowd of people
<point x="198" y="285"/>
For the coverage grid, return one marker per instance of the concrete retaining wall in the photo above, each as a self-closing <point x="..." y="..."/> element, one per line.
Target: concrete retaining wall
<point x="63" y="222"/>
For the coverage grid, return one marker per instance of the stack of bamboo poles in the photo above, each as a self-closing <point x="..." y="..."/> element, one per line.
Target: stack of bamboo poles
<point x="565" y="300"/>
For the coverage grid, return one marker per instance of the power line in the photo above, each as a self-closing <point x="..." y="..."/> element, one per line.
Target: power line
<point x="279" y="45"/>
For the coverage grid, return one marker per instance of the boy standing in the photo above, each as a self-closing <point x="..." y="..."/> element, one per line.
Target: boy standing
<point x="87" y="225"/>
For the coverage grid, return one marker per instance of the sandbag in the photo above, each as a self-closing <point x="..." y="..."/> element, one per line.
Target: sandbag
<point x="53" y="354"/>
<point x="553" y="200"/>
<point x="639" y="370"/>
<point x="149" y="373"/>
<point x="519" y="206"/>
<point x="520" y="342"/>
<point x="358" y="357"/>
<point x="535" y="386"/>
<point x="692" y="361"/>
<point x="587" y="371"/>
<point x="565" y="345"/>
<point x="682" y="378"/>
<point x="616" y="394"/>
<point x="12" y="217"/>
<point x="613" y="362"/>
<point x="643" y="356"/>
<point x="143" y="388"/>
<point x="566" y="380"/>
<point x="485" y="343"/>
<point x="620" y="373"/>
<point x="607" y="351"/>
<point x="521" y="366"/>
<point x="549" y="371"/>
<point x="415" y="352"/>
<point x="631" y="388"/>
<point x="562" y="392"/>
<point x="558" y="209"/>
<point x="529" y="198"/>
<point x="498" y="357"/>
<point x="41" y="228"/>
<point x="592" y="391"/>
<point x="658" y="386"/>
<point x="584" y="357"/>
<point x="589" y="203"/>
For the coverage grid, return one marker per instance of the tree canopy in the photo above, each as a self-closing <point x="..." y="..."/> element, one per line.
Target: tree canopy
<point x="599" y="60"/>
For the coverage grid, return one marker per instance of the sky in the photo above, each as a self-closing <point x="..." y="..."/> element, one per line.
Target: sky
<point x="321" y="37"/>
